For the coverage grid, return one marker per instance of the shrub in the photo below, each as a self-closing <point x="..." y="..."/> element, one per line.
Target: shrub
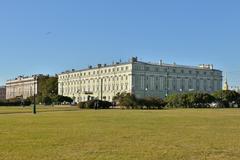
<point x="130" y="101"/>
<point x="150" y="103"/>
<point x="95" y="104"/>
<point x="82" y="105"/>
<point x="16" y="102"/>
<point x="47" y="100"/>
<point x="190" y="100"/>
<point x="27" y="102"/>
<point x="227" y="97"/>
<point x="126" y="99"/>
<point x="61" y="99"/>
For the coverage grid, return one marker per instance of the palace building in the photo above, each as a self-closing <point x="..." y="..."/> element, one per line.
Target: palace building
<point x="26" y="86"/>
<point x="23" y="86"/>
<point x="143" y="79"/>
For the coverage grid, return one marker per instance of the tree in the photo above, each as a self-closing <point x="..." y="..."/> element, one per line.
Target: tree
<point x="174" y="101"/>
<point x="126" y="99"/>
<point x="61" y="99"/>
<point x="149" y="102"/>
<point x="189" y="100"/>
<point x="47" y="87"/>
<point x="47" y="100"/>
<point x="202" y="100"/>
<point x="130" y="101"/>
<point x="227" y="97"/>
<point x="95" y="104"/>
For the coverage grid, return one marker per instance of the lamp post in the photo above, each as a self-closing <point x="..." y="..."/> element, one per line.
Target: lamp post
<point x="101" y="94"/>
<point x="167" y="83"/>
<point x="34" y="96"/>
<point x="53" y="94"/>
<point x="145" y="92"/>
<point x="78" y="91"/>
<point x="181" y="90"/>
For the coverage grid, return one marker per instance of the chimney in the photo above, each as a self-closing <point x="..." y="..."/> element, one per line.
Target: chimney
<point x="161" y="62"/>
<point x="134" y="59"/>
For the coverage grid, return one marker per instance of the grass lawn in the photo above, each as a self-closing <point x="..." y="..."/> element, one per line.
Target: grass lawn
<point x="40" y="108"/>
<point x="184" y="134"/>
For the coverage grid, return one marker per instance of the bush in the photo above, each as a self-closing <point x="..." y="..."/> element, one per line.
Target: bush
<point x="190" y="100"/>
<point x="227" y="97"/>
<point x="61" y="99"/>
<point x="126" y="99"/>
<point x="16" y="102"/>
<point x="150" y="103"/>
<point x="95" y="104"/>
<point x="27" y="102"/>
<point x="82" y="105"/>
<point x="130" y="101"/>
<point x="47" y="100"/>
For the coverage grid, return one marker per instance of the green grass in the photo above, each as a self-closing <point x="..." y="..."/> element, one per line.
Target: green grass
<point x="40" y="108"/>
<point x="184" y="134"/>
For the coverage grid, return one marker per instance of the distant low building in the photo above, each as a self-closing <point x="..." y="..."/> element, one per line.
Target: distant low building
<point x="2" y="92"/>
<point x="23" y="86"/>
<point x="144" y="79"/>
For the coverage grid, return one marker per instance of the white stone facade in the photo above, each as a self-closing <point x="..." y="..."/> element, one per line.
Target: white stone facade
<point x="102" y="82"/>
<point x="21" y="87"/>
<point x="160" y="80"/>
<point x="140" y="78"/>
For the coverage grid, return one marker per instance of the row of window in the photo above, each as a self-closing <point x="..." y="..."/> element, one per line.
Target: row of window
<point x="181" y="89"/>
<point x="156" y="79"/>
<point x="174" y="70"/>
<point x="175" y="77"/>
<point x="77" y="82"/>
<point x="95" y="72"/>
<point x="72" y="90"/>
<point x="21" y="93"/>
<point x="174" y="84"/>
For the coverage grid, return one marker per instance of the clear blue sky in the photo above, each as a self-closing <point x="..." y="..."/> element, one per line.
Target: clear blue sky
<point x="50" y="36"/>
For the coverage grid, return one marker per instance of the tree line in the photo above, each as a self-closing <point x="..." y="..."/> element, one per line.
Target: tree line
<point x="48" y="94"/>
<point x="219" y="99"/>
